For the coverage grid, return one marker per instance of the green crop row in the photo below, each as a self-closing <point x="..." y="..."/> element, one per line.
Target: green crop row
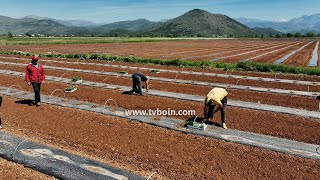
<point x="241" y="66"/>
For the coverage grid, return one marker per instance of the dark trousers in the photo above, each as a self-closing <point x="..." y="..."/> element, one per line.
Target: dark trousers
<point x="222" y="110"/>
<point x="137" y="84"/>
<point x="36" y="87"/>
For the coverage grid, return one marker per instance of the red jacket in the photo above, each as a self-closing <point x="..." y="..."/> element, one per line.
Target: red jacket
<point x="34" y="74"/>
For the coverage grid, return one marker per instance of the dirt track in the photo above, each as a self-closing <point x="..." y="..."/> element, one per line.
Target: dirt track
<point x="136" y="147"/>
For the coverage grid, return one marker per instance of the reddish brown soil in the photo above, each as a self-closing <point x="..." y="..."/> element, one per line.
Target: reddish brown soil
<point x="147" y="50"/>
<point x="226" y="48"/>
<point x="253" y="54"/>
<point x="298" y="102"/>
<point x="275" y="124"/>
<point x="10" y="170"/>
<point x="302" y="57"/>
<point x="239" y="51"/>
<point x="137" y="148"/>
<point x="230" y="80"/>
<point x="209" y="70"/>
<point x="273" y="57"/>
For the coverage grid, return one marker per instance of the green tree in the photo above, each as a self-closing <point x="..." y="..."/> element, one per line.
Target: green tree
<point x="10" y="35"/>
<point x="28" y="34"/>
<point x="311" y="34"/>
<point x="278" y="36"/>
<point x="289" y="35"/>
<point x="298" y="34"/>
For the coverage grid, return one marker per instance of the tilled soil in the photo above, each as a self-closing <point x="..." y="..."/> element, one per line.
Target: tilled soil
<point x="302" y="57"/>
<point x="273" y="57"/>
<point x="142" y="49"/>
<point x="247" y="55"/>
<point x="274" y="124"/>
<point x="10" y="170"/>
<point x="228" y="80"/>
<point x="300" y="77"/>
<point x="299" y="102"/>
<point x="144" y="149"/>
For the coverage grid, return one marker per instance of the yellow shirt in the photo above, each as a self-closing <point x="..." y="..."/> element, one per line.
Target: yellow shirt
<point x="216" y="94"/>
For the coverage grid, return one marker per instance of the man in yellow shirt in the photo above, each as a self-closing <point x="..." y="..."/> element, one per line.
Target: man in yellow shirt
<point x="216" y="97"/>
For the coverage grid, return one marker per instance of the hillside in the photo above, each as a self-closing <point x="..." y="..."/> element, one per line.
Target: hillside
<point x="301" y="24"/>
<point x="267" y="31"/>
<point x="201" y="23"/>
<point x="135" y="25"/>
<point x="37" y="26"/>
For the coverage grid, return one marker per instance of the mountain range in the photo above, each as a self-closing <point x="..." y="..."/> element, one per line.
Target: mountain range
<point x="301" y="24"/>
<point x="193" y="23"/>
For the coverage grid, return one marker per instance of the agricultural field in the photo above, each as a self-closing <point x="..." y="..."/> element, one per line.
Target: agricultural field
<point x="296" y="52"/>
<point x="273" y="119"/>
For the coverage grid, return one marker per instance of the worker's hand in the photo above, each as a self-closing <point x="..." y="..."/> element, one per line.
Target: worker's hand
<point x="29" y="83"/>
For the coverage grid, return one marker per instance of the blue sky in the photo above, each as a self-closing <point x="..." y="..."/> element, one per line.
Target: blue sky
<point x="107" y="11"/>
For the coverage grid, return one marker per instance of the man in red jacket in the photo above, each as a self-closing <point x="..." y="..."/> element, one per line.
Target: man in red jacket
<point x="35" y="76"/>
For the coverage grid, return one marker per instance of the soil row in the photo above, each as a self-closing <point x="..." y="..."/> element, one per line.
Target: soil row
<point x="115" y="48"/>
<point x="253" y="54"/>
<point x="10" y="170"/>
<point x="239" y="51"/>
<point x="273" y="57"/>
<point x="206" y="70"/>
<point x="244" y="82"/>
<point x="299" y="102"/>
<point x="145" y="149"/>
<point x="136" y="49"/>
<point x="302" y="57"/>
<point x="274" y="124"/>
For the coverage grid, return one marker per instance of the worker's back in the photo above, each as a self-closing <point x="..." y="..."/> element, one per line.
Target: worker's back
<point x="216" y="94"/>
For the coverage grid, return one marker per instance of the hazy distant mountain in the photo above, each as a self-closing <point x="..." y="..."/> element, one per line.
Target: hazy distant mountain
<point x="201" y="23"/>
<point x="135" y="25"/>
<point x="77" y="23"/>
<point x="193" y="23"/>
<point x="302" y="24"/>
<point x="267" y="31"/>
<point x="37" y="26"/>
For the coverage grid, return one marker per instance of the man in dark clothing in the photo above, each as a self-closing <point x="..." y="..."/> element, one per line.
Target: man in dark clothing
<point x="35" y="76"/>
<point x="137" y="79"/>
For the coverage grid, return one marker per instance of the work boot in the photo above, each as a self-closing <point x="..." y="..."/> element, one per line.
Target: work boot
<point x="224" y="126"/>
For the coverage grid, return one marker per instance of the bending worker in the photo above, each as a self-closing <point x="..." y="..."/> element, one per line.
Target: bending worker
<point x="35" y="77"/>
<point x="216" y="97"/>
<point x="137" y="79"/>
